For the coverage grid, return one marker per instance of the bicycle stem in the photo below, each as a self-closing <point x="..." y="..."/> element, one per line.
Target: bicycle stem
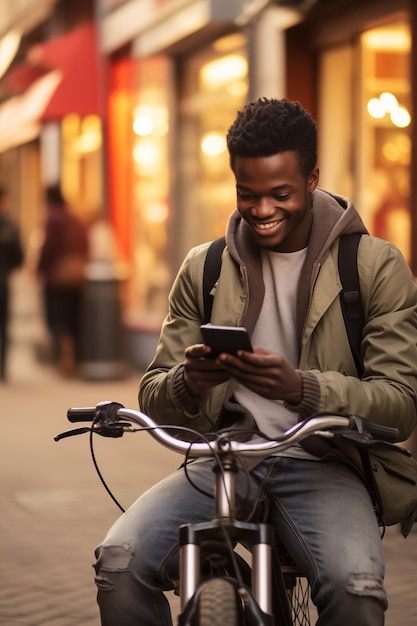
<point x="224" y="487"/>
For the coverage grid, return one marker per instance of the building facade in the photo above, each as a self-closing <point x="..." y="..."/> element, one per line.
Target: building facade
<point x="171" y="75"/>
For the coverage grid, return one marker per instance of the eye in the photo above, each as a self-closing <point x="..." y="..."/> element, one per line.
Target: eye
<point x="244" y="195"/>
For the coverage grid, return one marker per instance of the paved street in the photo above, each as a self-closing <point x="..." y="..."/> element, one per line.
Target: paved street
<point x="54" y="510"/>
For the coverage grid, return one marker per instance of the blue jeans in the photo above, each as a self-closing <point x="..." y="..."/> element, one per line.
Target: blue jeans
<point x="320" y="510"/>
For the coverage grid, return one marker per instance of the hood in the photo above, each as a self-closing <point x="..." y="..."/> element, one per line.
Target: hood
<point x="333" y="215"/>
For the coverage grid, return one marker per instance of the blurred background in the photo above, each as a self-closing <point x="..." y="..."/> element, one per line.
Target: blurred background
<point x="125" y="104"/>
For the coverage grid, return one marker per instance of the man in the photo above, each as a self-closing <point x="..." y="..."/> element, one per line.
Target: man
<point x="279" y="278"/>
<point x="11" y="257"/>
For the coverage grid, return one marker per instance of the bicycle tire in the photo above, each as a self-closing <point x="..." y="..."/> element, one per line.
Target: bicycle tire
<point x="218" y="604"/>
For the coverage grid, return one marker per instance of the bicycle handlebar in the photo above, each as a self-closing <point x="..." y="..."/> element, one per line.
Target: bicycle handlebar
<point x="107" y="420"/>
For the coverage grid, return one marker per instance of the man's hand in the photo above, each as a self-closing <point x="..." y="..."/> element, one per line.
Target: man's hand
<point x="269" y="375"/>
<point x="202" y="373"/>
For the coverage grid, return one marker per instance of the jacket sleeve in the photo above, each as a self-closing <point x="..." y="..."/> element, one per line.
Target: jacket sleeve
<point x="387" y="392"/>
<point x="162" y="391"/>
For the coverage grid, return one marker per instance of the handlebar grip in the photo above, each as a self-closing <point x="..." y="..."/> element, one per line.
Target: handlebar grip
<point x="377" y="431"/>
<point x="81" y="414"/>
<point x="385" y="433"/>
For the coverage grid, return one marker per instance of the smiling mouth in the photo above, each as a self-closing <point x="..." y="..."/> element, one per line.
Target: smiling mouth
<point x="269" y="225"/>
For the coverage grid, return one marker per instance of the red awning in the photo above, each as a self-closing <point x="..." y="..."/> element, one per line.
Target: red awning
<point x="59" y="76"/>
<point x="76" y="55"/>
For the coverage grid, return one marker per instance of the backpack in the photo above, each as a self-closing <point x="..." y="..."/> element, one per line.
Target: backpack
<point x="350" y="296"/>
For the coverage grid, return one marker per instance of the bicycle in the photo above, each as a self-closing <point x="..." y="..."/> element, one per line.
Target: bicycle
<point x="217" y="585"/>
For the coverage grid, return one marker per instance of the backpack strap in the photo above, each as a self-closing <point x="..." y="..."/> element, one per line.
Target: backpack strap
<point x="211" y="273"/>
<point x="350" y="296"/>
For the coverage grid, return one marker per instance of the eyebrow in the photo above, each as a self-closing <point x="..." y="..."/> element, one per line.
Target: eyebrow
<point x="277" y="188"/>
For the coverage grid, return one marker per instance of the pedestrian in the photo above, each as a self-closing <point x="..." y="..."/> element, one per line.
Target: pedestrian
<point x="279" y="279"/>
<point x="11" y="258"/>
<point x="61" y="268"/>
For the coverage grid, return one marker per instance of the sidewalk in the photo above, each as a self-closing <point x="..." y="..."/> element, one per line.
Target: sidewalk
<point x="54" y="510"/>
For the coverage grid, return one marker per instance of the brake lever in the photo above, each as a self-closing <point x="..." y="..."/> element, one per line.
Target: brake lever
<point x="115" y="430"/>
<point x="72" y="432"/>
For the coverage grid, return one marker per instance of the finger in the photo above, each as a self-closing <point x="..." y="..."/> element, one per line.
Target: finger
<point x="197" y="351"/>
<point x="257" y="358"/>
<point x="244" y="368"/>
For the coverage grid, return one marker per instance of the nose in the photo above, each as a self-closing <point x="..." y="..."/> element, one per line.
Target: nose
<point x="263" y="208"/>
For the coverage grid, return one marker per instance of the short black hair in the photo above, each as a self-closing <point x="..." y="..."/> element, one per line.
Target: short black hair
<point x="269" y="126"/>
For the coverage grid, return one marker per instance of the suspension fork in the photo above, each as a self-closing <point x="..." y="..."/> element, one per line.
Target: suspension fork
<point x="257" y="537"/>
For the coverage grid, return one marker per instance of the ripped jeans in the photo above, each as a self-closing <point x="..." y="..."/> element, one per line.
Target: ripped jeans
<point x="320" y="510"/>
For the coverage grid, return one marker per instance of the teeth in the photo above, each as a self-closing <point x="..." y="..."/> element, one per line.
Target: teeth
<point x="267" y="226"/>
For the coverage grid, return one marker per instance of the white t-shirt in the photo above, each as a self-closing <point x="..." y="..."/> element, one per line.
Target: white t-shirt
<point x="275" y="331"/>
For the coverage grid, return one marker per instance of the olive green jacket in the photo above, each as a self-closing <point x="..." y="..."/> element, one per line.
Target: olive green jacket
<point x="387" y="392"/>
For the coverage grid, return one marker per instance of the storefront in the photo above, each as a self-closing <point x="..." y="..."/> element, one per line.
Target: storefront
<point x="175" y="85"/>
<point x="363" y="103"/>
<point x="51" y="127"/>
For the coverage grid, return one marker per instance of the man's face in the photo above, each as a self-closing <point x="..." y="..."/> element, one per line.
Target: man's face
<point x="274" y="198"/>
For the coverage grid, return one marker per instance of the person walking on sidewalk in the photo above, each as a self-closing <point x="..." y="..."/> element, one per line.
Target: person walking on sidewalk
<point x="61" y="267"/>
<point x="11" y="257"/>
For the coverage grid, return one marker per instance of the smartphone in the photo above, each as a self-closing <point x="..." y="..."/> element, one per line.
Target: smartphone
<point x="228" y="339"/>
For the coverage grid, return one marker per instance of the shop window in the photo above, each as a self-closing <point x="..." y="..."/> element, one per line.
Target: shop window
<point x="182" y="188"/>
<point x="386" y="119"/>
<point x="150" y="125"/>
<point x="139" y="136"/>
<point x="335" y="120"/>
<point x="81" y="162"/>
<point x="364" y="128"/>
<point x="214" y="87"/>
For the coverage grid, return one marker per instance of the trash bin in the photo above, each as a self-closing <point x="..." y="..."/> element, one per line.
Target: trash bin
<point x="103" y="339"/>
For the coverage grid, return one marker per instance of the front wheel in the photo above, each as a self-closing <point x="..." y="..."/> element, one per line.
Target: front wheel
<point x="218" y="604"/>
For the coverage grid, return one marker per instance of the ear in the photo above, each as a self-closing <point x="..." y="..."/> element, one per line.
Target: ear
<point x="313" y="180"/>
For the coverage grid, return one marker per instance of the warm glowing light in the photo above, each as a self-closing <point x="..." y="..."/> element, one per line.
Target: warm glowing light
<point x="90" y="138"/>
<point x="376" y="108"/>
<point x="398" y="151"/>
<point x="143" y="125"/>
<point x="388" y="38"/>
<point x="223" y="70"/>
<point x="156" y="213"/>
<point x="150" y="121"/>
<point x="389" y="101"/>
<point x="146" y="153"/>
<point x="390" y="152"/>
<point x="400" y="117"/>
<point x="213" y="144"/>
<point x="9" y="45"/>
<point x="237" y="88"/>
<point x="229" y="42"/>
